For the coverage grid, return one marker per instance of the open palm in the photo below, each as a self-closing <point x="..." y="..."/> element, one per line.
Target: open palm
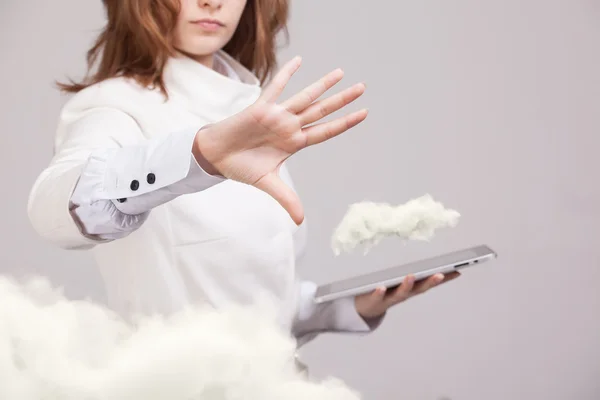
<point x="251" y="146"/>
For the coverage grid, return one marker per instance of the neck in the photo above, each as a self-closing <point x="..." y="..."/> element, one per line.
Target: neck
<point x="207" y="61"/>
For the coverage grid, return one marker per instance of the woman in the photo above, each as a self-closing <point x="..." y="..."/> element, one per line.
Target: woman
<point x="169" y="165"/>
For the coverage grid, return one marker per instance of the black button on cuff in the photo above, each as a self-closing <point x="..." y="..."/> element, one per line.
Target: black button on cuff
<point x="135" y="185"/>
<point x="121" y="200"/>
<point x="151" y="178"/>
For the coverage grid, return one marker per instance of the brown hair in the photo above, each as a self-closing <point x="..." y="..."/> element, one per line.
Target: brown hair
<point x="137" y="41"/>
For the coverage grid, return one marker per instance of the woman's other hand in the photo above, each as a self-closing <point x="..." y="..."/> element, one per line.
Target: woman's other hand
<point x="376" y="303"/>
<point x="251" y="146"/>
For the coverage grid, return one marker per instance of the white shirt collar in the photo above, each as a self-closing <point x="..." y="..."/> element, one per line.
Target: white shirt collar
<point x="208" y="93"/>
<point x="223" y="67"/>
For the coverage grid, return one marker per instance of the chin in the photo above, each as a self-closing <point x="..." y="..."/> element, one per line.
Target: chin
<point x="206" y="46"/>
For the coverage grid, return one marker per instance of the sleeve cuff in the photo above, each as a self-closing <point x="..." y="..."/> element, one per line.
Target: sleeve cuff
<point x="137" y="179"/>
<point x="335" y="316"/>
<point x="196" y="178"/>
<point x="158" y="164"/>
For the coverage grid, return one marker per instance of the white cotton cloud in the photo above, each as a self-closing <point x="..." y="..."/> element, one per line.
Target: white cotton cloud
<point x="367" y="223"/>
<point x="55" y="349"/>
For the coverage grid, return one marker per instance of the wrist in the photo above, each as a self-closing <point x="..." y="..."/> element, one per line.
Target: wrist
<point x="200" y="154"/>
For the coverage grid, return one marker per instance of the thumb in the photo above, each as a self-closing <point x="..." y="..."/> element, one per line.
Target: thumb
<point x="276" y="188"/>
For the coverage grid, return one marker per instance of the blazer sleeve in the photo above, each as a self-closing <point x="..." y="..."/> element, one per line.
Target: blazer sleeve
<point x="105" y="177"/>
<point x="312" y="319"/>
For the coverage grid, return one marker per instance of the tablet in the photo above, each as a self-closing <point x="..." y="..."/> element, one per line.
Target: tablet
<point x="393" y="276"/>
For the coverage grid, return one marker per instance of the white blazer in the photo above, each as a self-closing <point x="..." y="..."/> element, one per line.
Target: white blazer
<point x="164" y="234"/>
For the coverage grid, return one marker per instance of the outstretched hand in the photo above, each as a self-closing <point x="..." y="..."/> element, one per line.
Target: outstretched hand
<point x="376" y="303"/>
<point x="251" y="146"/>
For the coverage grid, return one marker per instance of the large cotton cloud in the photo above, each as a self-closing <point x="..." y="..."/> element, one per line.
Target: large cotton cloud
<point x="55" y="349"/>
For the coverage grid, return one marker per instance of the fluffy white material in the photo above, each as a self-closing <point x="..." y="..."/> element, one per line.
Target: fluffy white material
<point x="55" y="349"/>
<point x="367" y="223"/>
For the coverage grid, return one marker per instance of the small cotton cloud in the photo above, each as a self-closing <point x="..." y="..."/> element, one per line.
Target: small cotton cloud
<point x="367" y="223"/>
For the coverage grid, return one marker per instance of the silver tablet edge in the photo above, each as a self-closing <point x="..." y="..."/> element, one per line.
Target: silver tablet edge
<point x="484" y="252"/>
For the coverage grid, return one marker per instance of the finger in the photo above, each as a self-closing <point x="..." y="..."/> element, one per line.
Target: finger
<point x="281" y="79"/>
<point x="403" y="291"/>
<point x="321" y="132"/>
<point x="377" y="296"/>
<point x="428" y="283"/>
<point x="306" y="97"/>
<point x="323" y="108"/>
<point x="449" y="277"/>
<point x="289" y="200"/>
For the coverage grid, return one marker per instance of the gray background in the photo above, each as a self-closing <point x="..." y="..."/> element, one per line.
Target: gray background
<point x="490" y="106"/>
